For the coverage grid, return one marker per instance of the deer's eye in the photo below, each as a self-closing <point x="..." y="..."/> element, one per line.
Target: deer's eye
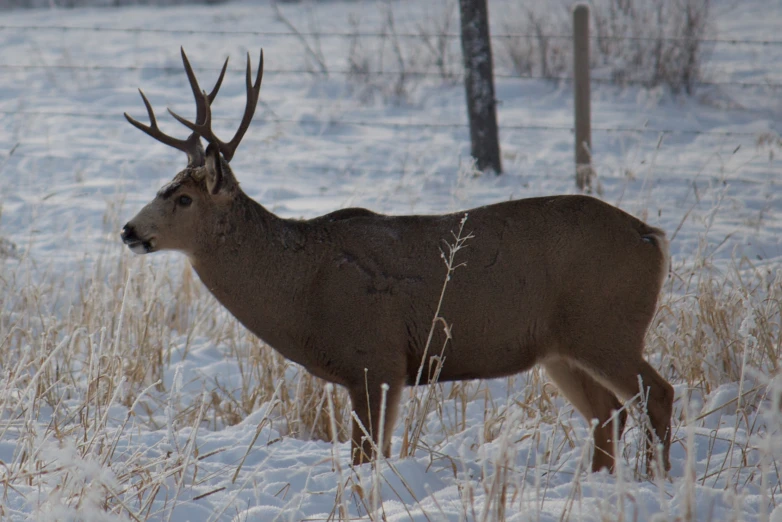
<point x="184" y="201"/>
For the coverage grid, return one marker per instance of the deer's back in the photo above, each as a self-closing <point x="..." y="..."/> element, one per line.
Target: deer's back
<point x="534" y="271"/>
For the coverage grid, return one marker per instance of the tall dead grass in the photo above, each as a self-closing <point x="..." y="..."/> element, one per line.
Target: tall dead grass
<point x="657" y="42"/>
<point x="89" y="357"/>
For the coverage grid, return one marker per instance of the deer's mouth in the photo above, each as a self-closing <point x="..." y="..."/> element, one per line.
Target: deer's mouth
<point x="135" y="243"/>
<point x="140" y="247"/>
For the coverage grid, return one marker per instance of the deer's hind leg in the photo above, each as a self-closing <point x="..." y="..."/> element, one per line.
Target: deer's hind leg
<point x="658" y="395"/>
<point x="626" y="374"/>
<point x="593" y="401"/>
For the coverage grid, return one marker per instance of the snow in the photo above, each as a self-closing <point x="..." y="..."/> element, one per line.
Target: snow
<point x="73" y="171"/>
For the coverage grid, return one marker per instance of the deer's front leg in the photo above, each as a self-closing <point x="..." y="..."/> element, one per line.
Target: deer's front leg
<point x="366" y="402"/>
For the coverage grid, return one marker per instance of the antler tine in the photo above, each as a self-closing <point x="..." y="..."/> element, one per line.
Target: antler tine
<point x="200" y="112"/>
<point x="219" y="81"/>
<point x="204" y="129"/>
<point x="253" y="93"/>
<point x="190" y="146"/>
<point x="153" y="130"/>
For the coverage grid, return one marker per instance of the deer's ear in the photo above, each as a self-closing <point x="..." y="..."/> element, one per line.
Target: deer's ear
<point x="214" y="170"/>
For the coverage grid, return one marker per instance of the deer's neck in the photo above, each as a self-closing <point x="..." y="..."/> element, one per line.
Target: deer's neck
<point x="254" y="263"/>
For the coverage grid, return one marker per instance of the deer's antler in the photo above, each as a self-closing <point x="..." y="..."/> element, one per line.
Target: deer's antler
<point x="192" y="145"/>
<point x="204" y="127"/>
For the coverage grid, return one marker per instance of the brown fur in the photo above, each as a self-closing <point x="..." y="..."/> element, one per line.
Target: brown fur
<point x="569" y="282"/>
<point x="566" y="281"/>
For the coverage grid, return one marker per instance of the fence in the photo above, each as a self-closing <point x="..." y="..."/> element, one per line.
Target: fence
<point x="128" y="68"/>
<point x="402" y="125"/>
<point x="361" y="34"/>
<point x="344" y="72"/>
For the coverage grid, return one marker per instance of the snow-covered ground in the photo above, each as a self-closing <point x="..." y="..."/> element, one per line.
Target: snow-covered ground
<point x="72" y="170"/>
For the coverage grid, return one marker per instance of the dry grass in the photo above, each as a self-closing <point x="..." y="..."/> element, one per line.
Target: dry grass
<point x="89" y="358"/>
<point x="393" y="67"/>
<point x="654" y="42"/>
<point x="649" y="43"/>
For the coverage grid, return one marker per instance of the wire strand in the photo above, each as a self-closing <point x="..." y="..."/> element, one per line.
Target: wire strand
<point x="430" y="74"/>
<point x="364" y="34"/>
<point x="412" y="125"/>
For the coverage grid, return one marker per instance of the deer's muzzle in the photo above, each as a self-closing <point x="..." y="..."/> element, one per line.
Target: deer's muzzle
<point x="135" y="243"/>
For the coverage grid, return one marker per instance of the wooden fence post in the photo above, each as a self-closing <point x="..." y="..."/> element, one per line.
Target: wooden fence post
<point x="479" y="84"/>
<point x="581" y="93"/>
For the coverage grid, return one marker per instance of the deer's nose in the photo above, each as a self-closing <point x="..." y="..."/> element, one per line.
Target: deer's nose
<point x="128" y="234"/>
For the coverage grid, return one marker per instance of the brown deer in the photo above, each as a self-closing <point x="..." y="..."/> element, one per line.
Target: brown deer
<point x="569" y="282"/>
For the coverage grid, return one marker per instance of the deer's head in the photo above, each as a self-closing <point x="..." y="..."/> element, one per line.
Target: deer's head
<point x="189" y="207"/>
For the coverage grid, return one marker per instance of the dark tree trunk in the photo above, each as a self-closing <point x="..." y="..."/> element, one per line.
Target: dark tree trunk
<point x="479" y="84"/>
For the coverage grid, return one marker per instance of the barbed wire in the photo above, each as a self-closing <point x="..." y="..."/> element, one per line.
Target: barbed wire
<point x="414" y="125"/>
<point x="365" y="34"/>
<point x="343" y="72"/>
<point x="401" y="171"/>
<point x="134" y="160"/>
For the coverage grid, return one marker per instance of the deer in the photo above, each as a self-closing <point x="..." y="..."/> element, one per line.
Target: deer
<point x="568" y="282"/>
